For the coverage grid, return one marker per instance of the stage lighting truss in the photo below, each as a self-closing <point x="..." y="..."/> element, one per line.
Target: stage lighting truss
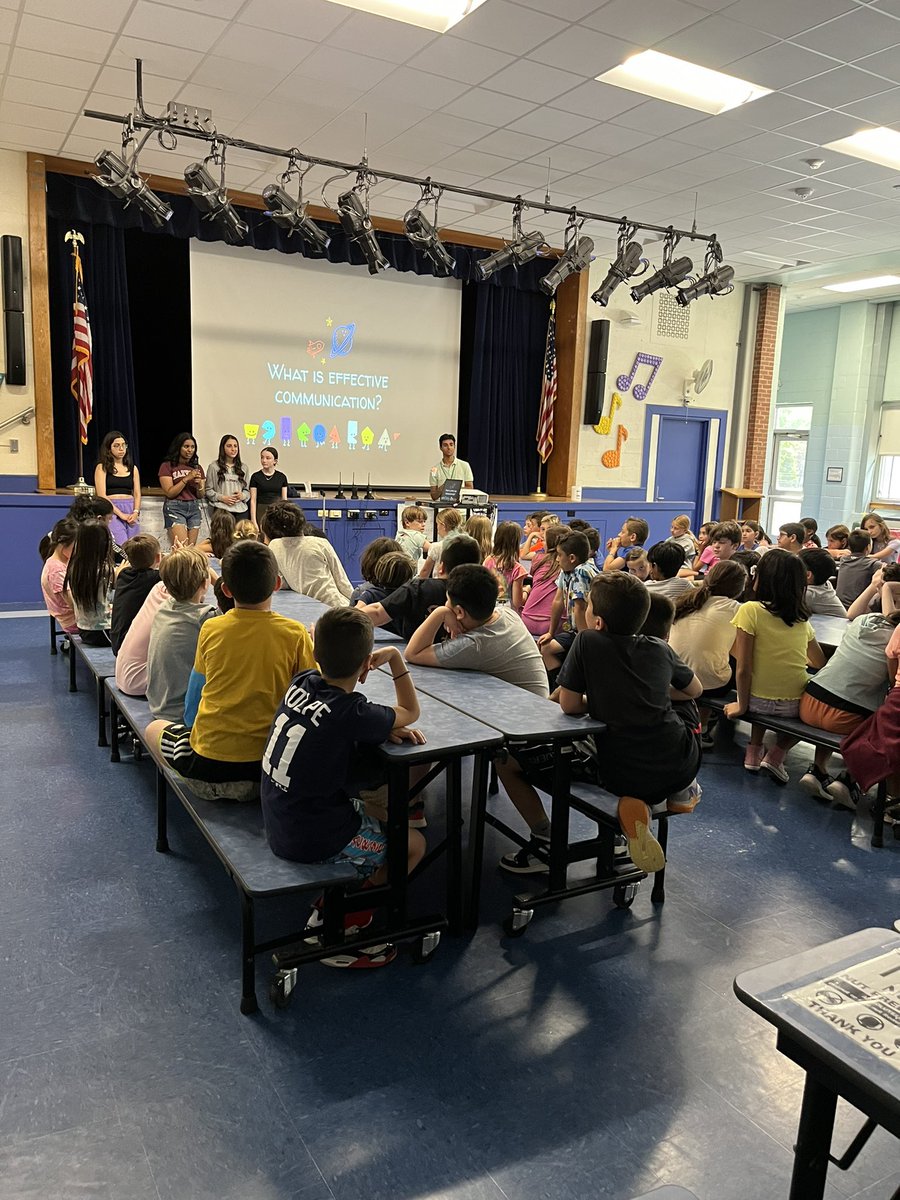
<point x="212" y="199"/>
<point x="576" y="256"/>
<point x="289" y="213"/>
<point x="423" y="234"/>
<point x="629" y="263"/>
<point x="522" y="249"/>
<point x="352" y="209"/>
<point x="717" y="278"/>
<point x="120" y="176"/>
<point x="672" y="271"/>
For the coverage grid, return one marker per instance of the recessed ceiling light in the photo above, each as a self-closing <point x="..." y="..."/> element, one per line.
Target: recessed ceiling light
<point x="437" y="15"/>
<point x="880" y="146"/>
<point x="863" y="285"/>
<point x="680" y="82"/>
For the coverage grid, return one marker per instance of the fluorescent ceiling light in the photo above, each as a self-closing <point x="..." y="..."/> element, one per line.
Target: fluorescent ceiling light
<point x="863" y="285"/>
<point x="437" y="15"/>
<point x="680" y="82"/>
<point x="880" y="146"/>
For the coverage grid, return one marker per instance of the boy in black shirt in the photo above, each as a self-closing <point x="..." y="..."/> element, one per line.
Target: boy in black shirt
<point x="628" y="681"/>
<point x="315" y="764"/>
<point x="133" y="585"/>
<point x="406" y="608"/>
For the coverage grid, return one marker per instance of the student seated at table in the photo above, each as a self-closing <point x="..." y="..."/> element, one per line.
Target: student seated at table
<point x="320" y="759"/>
<point x="540" y="588"/>
<point x="307" y="565"/>
<point x="90" y="579"/>
<point x="368" y="561"/>
<point x="133" y="584"/>
<point x="647" y="753"/>
<point x="820" y="597"/>
<point x="567" y="616"/>
<point x="855" y="569"/>
<point x="243" y="665"/>
<point x="533" y="538"/>
<point x="222" y="526"/>
<point x="175" y="630"/>
<point x="405" y="609"/>
<point x="631" y="536"/>
<point x="638" y="564"/>
<point x="836" y="540"/>
<point x="484" y="635"/>
<point x="390" y="572"/>
<point x="666" y="559"/>
<point x="448" y="526"/>
<point x="411" y="538"/>
<point x="681" y="535"/>
<point x="55" y="549"/>
<point x="503" y="560"/>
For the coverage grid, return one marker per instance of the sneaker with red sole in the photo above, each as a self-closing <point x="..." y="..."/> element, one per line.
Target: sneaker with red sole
<point x="417" y="815"/>
<point x="362" y="960"/>
<point x="643" y="849"/>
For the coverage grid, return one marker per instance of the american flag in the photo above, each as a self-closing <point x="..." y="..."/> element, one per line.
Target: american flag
<point x="548" y="391"/>
<point x="82" y="386"/>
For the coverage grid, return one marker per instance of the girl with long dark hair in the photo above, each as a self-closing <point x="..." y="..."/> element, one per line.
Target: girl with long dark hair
<point x="226" y="482"/>
<point x="90" y="579"/>
<point x="181" y="479"/>
<point x="118" y="480"/>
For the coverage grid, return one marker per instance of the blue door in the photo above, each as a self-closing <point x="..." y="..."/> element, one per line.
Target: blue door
<point x="681" y="463"/>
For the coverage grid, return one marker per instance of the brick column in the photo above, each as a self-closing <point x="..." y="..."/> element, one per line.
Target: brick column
<point x="762" y="383"/>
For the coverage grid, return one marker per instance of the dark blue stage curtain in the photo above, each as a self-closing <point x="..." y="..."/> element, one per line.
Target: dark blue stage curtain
<point x="106" y="289"/>
<point x="500" y="367"/>
<point x="510" y="332"/>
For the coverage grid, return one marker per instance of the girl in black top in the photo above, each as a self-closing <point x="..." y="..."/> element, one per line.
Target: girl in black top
<point x="266" y="485"/>
<point x="118" y="480"/>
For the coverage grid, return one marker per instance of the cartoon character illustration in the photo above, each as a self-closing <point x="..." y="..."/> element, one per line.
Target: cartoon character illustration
<point x="268" y="430"/>
<point x="314" y="347"/>
<point x="251" y="433"/>
<point x="303" y="432"/>
<point x="367" y="437"/>
<point x="320" y="433"/>
<point x="334" y="437"/>
<point x="352" y="434"/>
<point x="342" y="340"/>
<point x="285" y="431"/>
<point x="384" y="442"/>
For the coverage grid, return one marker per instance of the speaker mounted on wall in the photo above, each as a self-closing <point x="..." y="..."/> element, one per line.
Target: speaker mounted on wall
<point x="598" y="353"/>
<point x="14" y="326"/>
<point x="13" y="286"/>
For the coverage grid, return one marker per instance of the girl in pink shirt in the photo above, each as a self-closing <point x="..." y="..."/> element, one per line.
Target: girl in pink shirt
<point x="504" y="563"/>
<point x="56" y="550"/>
<point x="536" y="610"/>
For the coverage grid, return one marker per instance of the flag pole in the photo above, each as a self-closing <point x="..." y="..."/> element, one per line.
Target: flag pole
<point x="81" y="488"/>
<point x="538" y="493"/>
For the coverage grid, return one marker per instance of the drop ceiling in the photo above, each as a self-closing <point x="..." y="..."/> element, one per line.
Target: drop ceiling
<point x="490" y="102"/>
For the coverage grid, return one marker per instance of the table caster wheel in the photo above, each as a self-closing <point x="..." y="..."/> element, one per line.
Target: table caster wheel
<point x="281" y="989"/>
<point x="624" y="894"/>
<point x="425" y="948"/>
<point x="517" y="922"/>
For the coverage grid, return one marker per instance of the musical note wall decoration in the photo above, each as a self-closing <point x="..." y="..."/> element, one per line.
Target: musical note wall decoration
<point x="612" y="458"/>
<point x="623" y="383"/>
<point x="604" y="425"/>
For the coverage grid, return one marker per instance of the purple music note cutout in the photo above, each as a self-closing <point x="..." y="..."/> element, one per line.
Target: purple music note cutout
<point x="623" y="383"/>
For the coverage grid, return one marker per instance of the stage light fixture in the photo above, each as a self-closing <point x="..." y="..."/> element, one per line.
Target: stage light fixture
<point x="522" y="249"/>
<point x="120" y="176"/>
<point x="290" y="214"/>
<point x="424" y="236"/>
<point x="717" y="278"/>
<point x="212" y="199"/>
<point x="575" y="257"/>
<point x="357" y="225"/>
<point x="671" y="272"/>
<point x="627" y="261"/>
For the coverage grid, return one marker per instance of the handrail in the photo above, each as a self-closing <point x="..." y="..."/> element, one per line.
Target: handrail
<point x="24" y="417"/>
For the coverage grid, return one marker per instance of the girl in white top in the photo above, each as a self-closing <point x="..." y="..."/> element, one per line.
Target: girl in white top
<point x="226" y="479"/>
<point x="885" y="547"/>
<point x="308" y="565"/>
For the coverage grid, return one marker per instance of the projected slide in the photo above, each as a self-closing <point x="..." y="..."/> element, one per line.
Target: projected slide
<point x="345" y="374"/>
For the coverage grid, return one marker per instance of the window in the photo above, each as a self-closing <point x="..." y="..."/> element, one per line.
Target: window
<point x="789" y="444"/>
<point x="793" y="416"/>
<point x="887" y="475"/>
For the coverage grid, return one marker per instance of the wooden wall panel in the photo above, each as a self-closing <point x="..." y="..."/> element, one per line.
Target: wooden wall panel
<point x="40" y="322"/>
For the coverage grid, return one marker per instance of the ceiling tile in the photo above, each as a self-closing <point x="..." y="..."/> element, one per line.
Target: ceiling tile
<point x="772" y="112"/>
<point x="227" y="107"/>
<point x="37" y="118"/>
<point x="248" y="79"/>
<point x="784" y="20"/>
<point x="600" y="101"/>
<point x="885" y="63"/>
<point x="780" y="65"/>
<point x="657" y="117"/>
<point x="878" y="110"/>
<point x="521" y="175"/>
<point x="119" y="81"/>
<point x="514" y="145"/>
<point x="477" y="162"/>
<point x="849" y="37"/>
<point x="570" y="159"/>
<point x="553" y="124"/>
<point x="168" y="61"/>
<point x="24" y="137"/>
<point x="531" y="81"/>
<point x="827" y="127"/>
<point x="195" y="31"/>
<point x="51" y="68"/>
<point x="768" y="147"/>
<point x="714" y="134"/>
<point x="569" y="10"/>
<point x="57" y="37"/>
<point x="96" y="14"/>
<point x="839" y="87"/>
<point x="884" y="210"/>
<point x="508" y="27"/>
<point x="643" y="21"/>
<point x="460" y="60"/>
<point x="417" y="87"/>
<point x="325" y="93"/>
<point x="452" y="130"/>
<point x="263" y="47"/>
<point x="394" y="41"/>
<point x="314" y="20"/>
<point x="411" y="144"/>
<point x="46" y="95"/>
<point x="480" y="105"/>
<point x="584" y="51"/>
<point x="327" y="62"/>
<point x="610" y="139"/>
<point x="714" y="42"/>
<point x="212" y="8"/>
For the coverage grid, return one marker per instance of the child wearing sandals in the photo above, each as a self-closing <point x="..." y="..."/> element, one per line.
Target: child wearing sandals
<point x="774" y="643"/>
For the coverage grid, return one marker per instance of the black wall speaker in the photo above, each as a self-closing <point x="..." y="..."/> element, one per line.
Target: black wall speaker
<point x="596" y="374"/>
<point x="13" y="290"/>
<point x="14" y="324"/>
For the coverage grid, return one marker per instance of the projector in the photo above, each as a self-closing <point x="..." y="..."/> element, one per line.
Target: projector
<point x="473" y="496"/>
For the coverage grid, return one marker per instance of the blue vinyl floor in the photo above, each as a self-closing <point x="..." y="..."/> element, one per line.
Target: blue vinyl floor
<point x="601" y="1055"/>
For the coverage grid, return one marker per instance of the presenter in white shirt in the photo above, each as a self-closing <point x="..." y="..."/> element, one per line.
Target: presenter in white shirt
<point x="450" y="467"/>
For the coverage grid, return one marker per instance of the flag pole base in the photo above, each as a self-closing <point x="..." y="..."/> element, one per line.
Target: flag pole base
<point x="537" y="495"/>
<point x="81" y="488"/>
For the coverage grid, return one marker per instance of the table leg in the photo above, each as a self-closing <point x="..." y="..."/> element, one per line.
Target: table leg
<point x="101" y="714"/>
<point x="398" y="840"/>
<point x="114" y="755"/>
<point x="559" y="817"/>
<point x="480" y="769"/>
<point x="813" y="1141"/>
<point x="162" y="823"/>
<point x="73" y="686"/>
<point x="455" y="911"/>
